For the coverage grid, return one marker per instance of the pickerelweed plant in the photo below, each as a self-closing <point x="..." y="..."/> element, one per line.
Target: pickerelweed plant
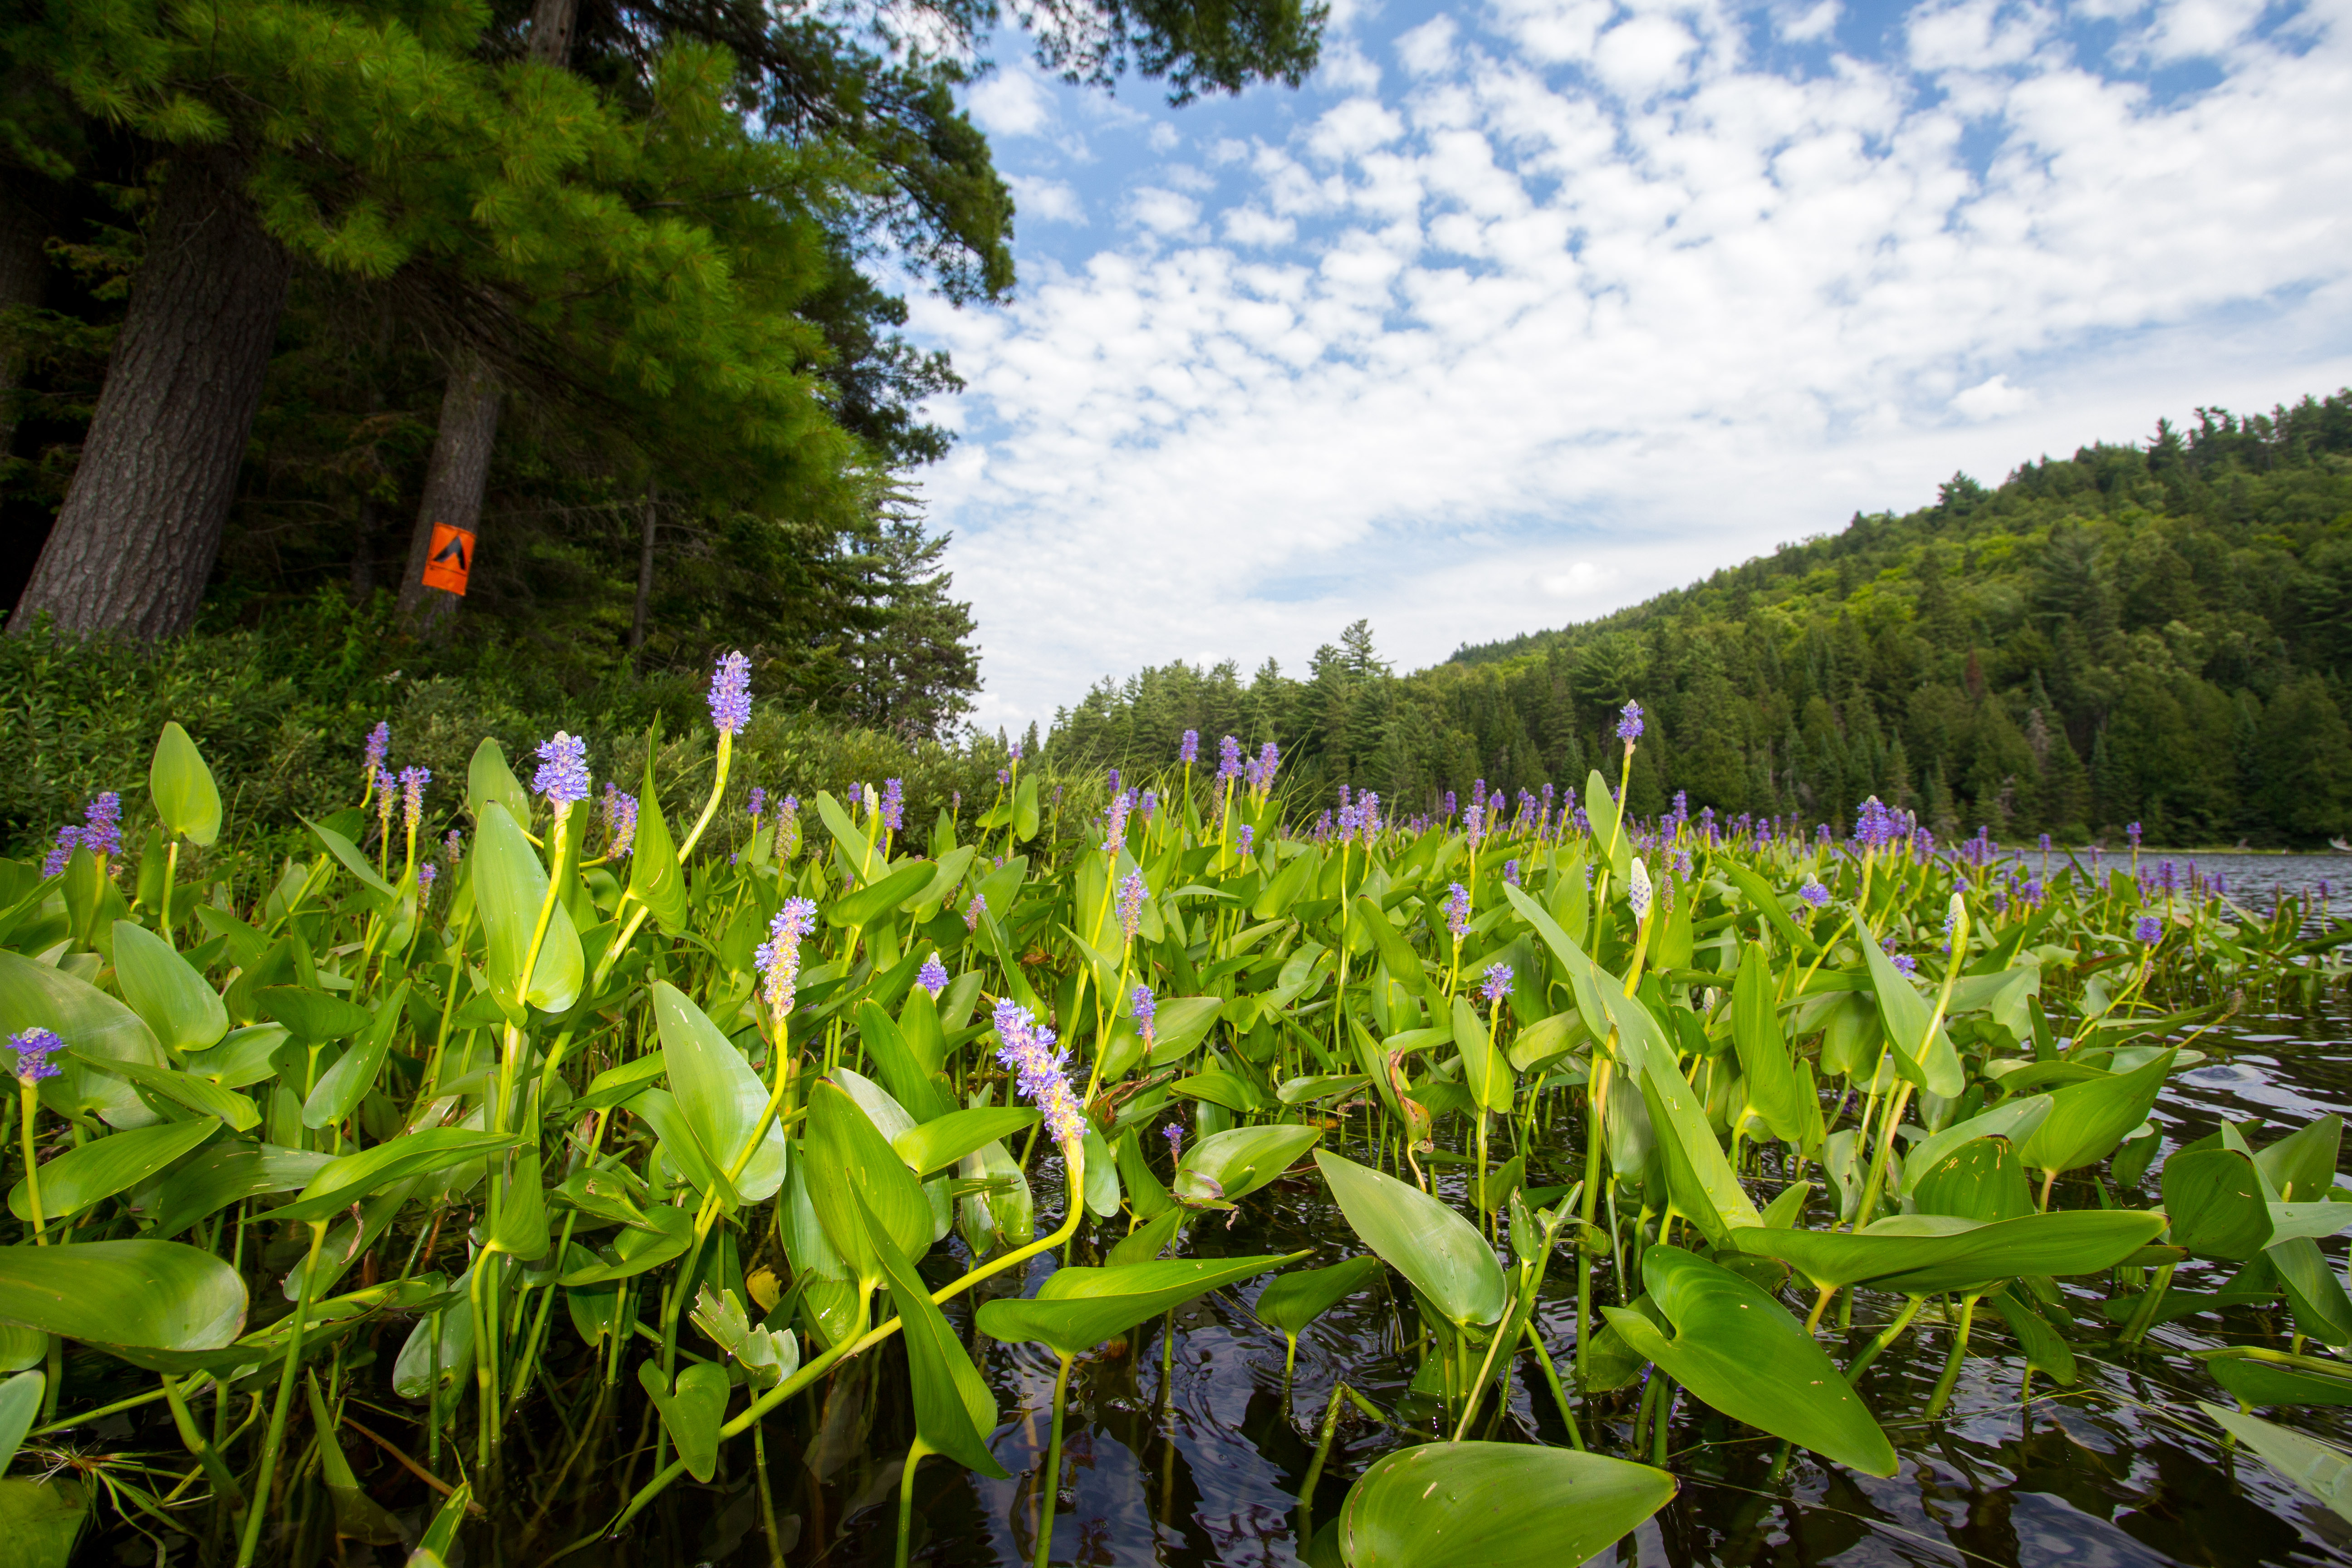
<point x="568" y="1127"/>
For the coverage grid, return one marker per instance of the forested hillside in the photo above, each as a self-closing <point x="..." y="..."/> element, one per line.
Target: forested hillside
<point x="2153" y="633"/>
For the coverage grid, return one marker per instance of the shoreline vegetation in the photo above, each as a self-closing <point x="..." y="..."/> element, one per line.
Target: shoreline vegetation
<point x="504" y="1121"/>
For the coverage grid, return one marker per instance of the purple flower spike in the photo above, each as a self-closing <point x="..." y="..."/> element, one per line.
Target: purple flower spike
<point x="730" y="694"/>
<point x="1229" y="759"/>
<point x="1189" y="752"/>
<point x="102" y="825"/>
<point x="1498" y="983"/>
<point x="1027" y="1048"/>
<point x="1147" y="1008"/>
<point x="412" y="795"/>
<point x="61" y="852"/>
<point x="425" y="875"/>
<point x="1458" y="910"/>
<point x="1813" y="892"/>
<point x="379" y="746"/>
<point x="2148" y="930"/>
<point x="894" y="805"/>
<point x="1131" y="891"/>
<point x="1629" y="724"/>
<point x="779" y="957"/>
<point x="34" y="1049"/>
<point x="933" y="977"/>
<point x="562" y="776"/>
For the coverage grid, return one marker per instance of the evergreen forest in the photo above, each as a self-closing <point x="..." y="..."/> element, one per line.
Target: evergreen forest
<point x="2155" y="633"/>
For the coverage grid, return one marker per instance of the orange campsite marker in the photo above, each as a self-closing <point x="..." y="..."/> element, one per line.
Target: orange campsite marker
<point x="451" y="559"/>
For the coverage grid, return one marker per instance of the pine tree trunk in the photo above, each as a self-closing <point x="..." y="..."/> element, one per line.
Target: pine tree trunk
<point x="135" y="540"/>
<point x="454" y="480"/>
<point x="459" y="469"/>
<point x="652" y="520"/>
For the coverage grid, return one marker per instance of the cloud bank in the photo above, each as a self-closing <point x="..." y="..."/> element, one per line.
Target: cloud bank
<point x="1521" y="314"/>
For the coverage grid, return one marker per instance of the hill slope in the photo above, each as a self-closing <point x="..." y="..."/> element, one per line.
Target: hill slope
<point x="2157" y="634"/>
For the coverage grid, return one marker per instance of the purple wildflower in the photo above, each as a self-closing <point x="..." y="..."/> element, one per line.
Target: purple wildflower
<point x="620" y="822"/>
<point x="1147" y="1009"/>
<point x="730" y="694"/>
<point x="1243" y="837"/>
<point x="101" y="826"/>
<point x="61" y="853"/>
<point x="1187" y="751"/>
<point x="779" y="957"/>
<point x="1458" y="910"/>
<point x="1511" y="872"/>
<point x="1229" y="759"/>
<point x="425" y="874"/>
<point x="1174" y="1133"/>
<point x="1498" y="983"/>
<point x="34" y="1049"/>
<point x="2148" y="930"/>
<point x="1813" y="892"/>
<point x="894" y="805"/>
<point x="756" y="803"/>
<point x="453" y="847"/>
<point x="1131" y="890"/>
<point x="933" y="977"/>
<point x="412" y="795"/>
<point x="562" y="776"/>
<point x="379" y="746"/>
<point x="2131" y="831"/>
<point x="1115" y="837"/>
<point x="1027" y="1048"/>
<point x="1629" y="724"/>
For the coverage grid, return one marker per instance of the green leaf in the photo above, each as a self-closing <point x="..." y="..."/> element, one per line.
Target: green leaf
<point x="98" y="1029"/>
<point x="1420" y="1238"/>
<point x="2303" y="1163"/>
<point x="1241" y="1160"/>
<point x="1764" y="1061"/>
<point x="342" y="1181"/>
<point x="1148" y="1240"/>
<point x="1738" y="1350"/>
<point x="635" y="1252"/>
<point x="1926" y="1057"/>
<point x="720" y="1097"/>
<point x="1762" y="898"/>
<point x="2045" y="1349"/>
<point x="159" y="1295"/>
<point x="1484" y="1073"/>
<point x="2087" y="1121"/>
<point x="340" y="1087"/>
<point x="767" y="1356"/>
<point x="164" y="989"/>
<point x="856" y="845"/>
<point x="105" y="1166"/>
<point x="1495" y="1505"/>
<point x="1926" y="1255"/>
<point x="198" y="1093"/>
<point x="186" y="800"/>
<point x="1601" y="812"/>
<point x="1981" y="1180"/>
<point x="20" y="1400"/>
<point x="488" y="779"/>
<point x="358" y="1517"/>
<point x="344" y="850"/>
<point x="313" y="1017"/>
<point x="655" y="879"/>
<point x="440" y="1541"/>
<point x="1181" y="1024"/>
<point x="221" y="1172"/>
<point x="1077" y="1307"/>
<point x="2214" y="1197"/>
<point x="41" y="1520"/>
<point x="941" y="1141"/>
<point x="1403" y="964"/>
<point x="509" y="889"/>
<point x="1705" y="1189"/>
<point x="910" y="1084"/>
<point x="875" y="899"/>
<point x="2255" y="1382"/>
<point x="692" y="1413"/>
<point x="1025" y="810"/>
<point x="852" y="1171"/>
<point x="2013" y="1119"/>
<point x="954" y="1411"/>
<point x="1294" y="1300"/>
<point x="2320" y="1469"/>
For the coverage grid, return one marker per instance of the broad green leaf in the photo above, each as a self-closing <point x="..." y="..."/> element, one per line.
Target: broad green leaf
<point x="854" y="844"/>
<point x="1008" y="1212"/>
<point x="2087" y="1121"/>
<point x="1495" y="1505"/>
<point x="342" y="1181"/>
<point x="1762" y="898"/>
<point x="340" y="1087"/>
<point x="187" y="802"/>
<point x="2313" y="1293"/>
<point x="720" y="1097"/>
<point x="1926" y="1056"/>
<point x="655" y="879"/>
<point x="1148" y="1240"/>
<point x="853" y="1171"/>
<point x="488" y="779"/>
<point x="98" y="1028"/>
<point x="358" y="1516"/>
<point x="1025" y="810"/>
<point x="41" y="1520"/>
<point x="1484" y="1073"/>
<point x="440" y="1541"/>
<point x="1600" y="811"/>
<point x="353" y="861"/>
<point x="911" y="1084"/>
<point x="510" y="891"/>
<point x="1403" y="964"/>
<point x="1181" y="1024"/>
<point x="954" y="1411"/>
<point x="692" y="1413"/>
<point x="1420" y="1238"/>
<point x="1241" y="1160"/>
<point x="2045" y="1349"/>
<point x="2214" y="1198"/>
<point x="1738" y="1350"/>
<point x="1981" y="1180"/>
<point x="2302" y="1166"/>
<point x="198" y="1093"/>
<point x="219" y="1175"/>
<point x="1077" y="1309"/>
<point x="2255" y="1382"/>
<point x="20" y="1400"/>
<point x="634" y="1251"/>
<point x="105" y="1166"/>
<point x="159" y="1295"/>
<point x="1706" y="1190"/>
<point x="2013" y="1119"/>
<point x="1273" y="900"/>
<point x="2314" y="1220"/>
<point x="164" y="989"/>
<point x="875" y="899"/>
<point x="940" y="1142"/>
<point x="1764" y="1062"/>
<point x="767" y="1356"/>
<point x="2320" y="1469"/>
<point x="1926" y="1255"/>
<point x="313" y="1017"/>
<point x="1294" y="1300"/>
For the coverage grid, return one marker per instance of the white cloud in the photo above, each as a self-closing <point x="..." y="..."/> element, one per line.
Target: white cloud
<point x="1492" y="350"/>
<point x="1011" y="103"/>
<point x="1049" y="201"/>
<point x="1818" y="21"/>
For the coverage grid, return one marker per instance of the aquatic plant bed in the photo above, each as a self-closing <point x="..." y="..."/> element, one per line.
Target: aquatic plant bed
<point x="1149" y="1172"/>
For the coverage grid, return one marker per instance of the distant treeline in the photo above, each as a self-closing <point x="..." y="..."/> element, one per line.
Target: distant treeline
<point x="2153" y="633"/>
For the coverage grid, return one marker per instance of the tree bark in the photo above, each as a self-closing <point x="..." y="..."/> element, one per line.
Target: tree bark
<point x="644" y="570"/>
<point x="454" y="480"/>
<point x="459" y="469"/>
<point x="141" y="525"/>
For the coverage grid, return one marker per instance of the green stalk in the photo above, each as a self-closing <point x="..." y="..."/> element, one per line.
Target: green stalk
<point x="1886" y="1336"/>
<point x="30" y="1099"/>
<point x="1053" y="1470"/>
<point x="249" y="1540"/>
<point x="1943" y="1385"/>
<point x="914" y="1452"/>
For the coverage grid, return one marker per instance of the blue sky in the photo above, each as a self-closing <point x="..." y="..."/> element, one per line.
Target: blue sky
<point x="1520" y="310"/>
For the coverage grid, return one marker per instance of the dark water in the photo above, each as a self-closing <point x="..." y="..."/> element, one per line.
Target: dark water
<point x="1204" y="1467"/>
